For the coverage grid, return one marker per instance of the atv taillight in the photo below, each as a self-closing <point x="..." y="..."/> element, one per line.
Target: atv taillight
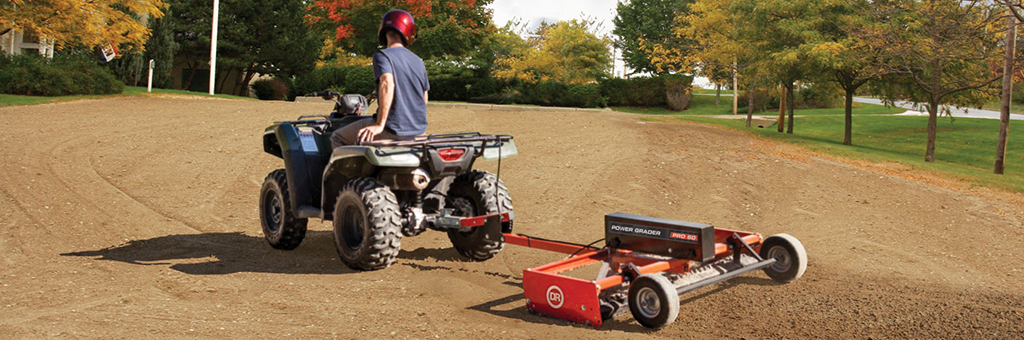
<point x="450" y="154"/>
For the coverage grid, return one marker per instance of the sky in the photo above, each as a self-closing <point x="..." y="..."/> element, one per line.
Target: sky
<point x="533" y="12"/>
<point x="536" y="11"/>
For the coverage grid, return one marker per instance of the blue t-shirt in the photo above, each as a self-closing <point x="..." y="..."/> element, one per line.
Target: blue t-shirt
<point x="408" y="115"/>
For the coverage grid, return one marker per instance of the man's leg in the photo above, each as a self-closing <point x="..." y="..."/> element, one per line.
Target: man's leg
<point x="349" y="134"/>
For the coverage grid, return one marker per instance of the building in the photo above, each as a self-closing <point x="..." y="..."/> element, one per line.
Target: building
<point x="15" y="42"/>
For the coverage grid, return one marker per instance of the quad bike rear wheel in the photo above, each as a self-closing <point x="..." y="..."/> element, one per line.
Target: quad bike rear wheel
<point x="790" y="257"/>
<point x="367" y="225"/>
<point x="280" y="227"/>
<point x="478" y="193"/>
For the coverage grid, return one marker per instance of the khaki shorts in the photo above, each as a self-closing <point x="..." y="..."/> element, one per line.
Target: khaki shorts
<point x="349" y="134"/>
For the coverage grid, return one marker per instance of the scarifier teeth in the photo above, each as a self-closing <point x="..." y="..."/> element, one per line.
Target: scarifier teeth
<point x="710" y="270"/>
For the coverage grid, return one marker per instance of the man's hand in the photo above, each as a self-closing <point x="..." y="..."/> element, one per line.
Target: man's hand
<point x="367" y="134"/>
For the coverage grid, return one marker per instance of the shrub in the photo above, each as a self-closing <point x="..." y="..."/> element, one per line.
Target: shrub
<point x="268" y="89"/>
<point x="583" y="96"/>
<point x="546" y="93"/>
<point x="484" y="87"/>
<point x="359" y="79"/>
<point x="677" y="91"/>
<point x="642" y="91"/>
<point x="448" y="89"/>
<point x="818" y="95"/>
<point x="321" y="78"/>
<point x="71" y="74"/>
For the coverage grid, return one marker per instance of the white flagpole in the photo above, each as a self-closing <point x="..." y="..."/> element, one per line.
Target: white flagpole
<point x="213" y="47"/>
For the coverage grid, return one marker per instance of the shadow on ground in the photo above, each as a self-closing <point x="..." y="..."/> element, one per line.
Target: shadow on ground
<point x="226" y="253"/>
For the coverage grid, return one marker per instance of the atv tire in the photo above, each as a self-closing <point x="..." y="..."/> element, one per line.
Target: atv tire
<point x="280" y="227"/>
<point x="367" y="225"/>
<point x="473" y="194"/>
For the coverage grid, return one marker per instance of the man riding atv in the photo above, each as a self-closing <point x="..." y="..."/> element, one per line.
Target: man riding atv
<point x="402" y="87"/>
<point x="379" y="179"/>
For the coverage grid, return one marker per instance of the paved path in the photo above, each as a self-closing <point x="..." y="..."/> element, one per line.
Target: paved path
<point x="913" y="109"/>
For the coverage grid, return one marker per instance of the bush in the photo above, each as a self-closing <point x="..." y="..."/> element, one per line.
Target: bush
<point x="818" y="95"/>
<point x="71" y="74"/>
<point x="583" y="96"/>
<point x="321" y="78"/>
<point x="677" y="91"/>
<point x="546" y="93"/>
<point x="484" y="87"/>
<point x="448" y="89"/>
<point x="268" y="89"/>
<point x="643" y="91"/>
<point x="359" y="79"/>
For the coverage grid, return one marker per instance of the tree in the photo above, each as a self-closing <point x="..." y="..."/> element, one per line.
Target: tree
<point x="566" y="51"/>
<point x="940" y="53"/>
<point x="444" y="27"/>
<point x="82" y="23"/>
<point x="1008" y="70"/>
<point x="841" y="56"/>
<point x="645" y="20"/>
<point x="255" y="37"/>
<point x="161" y="48"/>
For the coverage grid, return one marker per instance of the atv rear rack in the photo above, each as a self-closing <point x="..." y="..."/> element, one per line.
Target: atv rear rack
<point x="435" y="139"/>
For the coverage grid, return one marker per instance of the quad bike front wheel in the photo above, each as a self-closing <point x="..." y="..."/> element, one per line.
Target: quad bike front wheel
<point x="478" y="193"/>
<point x="367" y="225"/>
<point x="790" y="257"/>
<point x="280" y="227"/>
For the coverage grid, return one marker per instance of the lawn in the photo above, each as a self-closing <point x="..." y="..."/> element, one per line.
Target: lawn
<point x="965" y="148"/>
<point x="705" y="106"/>
<point x="11" y="99"/>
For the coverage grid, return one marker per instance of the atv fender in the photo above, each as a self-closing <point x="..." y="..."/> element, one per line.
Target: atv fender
<point x="350" y="162"/>
<point x="303" y="167"/>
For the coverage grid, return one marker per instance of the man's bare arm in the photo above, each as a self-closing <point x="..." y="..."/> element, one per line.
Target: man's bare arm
<point x="385" y="97"/>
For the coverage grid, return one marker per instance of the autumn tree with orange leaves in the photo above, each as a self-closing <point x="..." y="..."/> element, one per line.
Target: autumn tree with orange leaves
<point x="445" y="27"/>
<point x="83" y="23"/>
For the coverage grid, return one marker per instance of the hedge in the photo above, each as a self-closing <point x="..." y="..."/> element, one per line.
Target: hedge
<point x="33" y="75"/>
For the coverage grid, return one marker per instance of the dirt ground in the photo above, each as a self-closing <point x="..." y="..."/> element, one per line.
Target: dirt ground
<point x="137" y="218"/>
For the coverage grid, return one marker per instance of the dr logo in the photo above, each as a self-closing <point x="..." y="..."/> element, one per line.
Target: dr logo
<point x="555" y="297"/>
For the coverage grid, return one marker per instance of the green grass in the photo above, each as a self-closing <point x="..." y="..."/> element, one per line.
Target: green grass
<point x="710" y="91"/>
<point x="11" y="99"/>
<point x="705" y="106"/>
<point x="964" y="150"/>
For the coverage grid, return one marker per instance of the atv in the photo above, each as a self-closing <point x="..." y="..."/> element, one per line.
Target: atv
<point x="377" y="192"/>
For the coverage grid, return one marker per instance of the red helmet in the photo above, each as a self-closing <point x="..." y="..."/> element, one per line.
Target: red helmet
<point x="400" y="21"/>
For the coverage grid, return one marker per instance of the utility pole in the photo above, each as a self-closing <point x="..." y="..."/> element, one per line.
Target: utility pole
<point x="1004" y="109"/>
<point x="213" y="47"/>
